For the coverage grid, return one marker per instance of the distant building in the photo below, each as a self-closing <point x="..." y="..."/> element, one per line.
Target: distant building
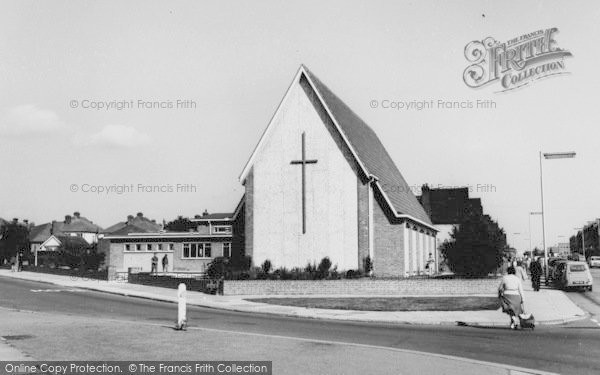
<point x="447" y="207"/>
<point x="72" y="226"/>
<point x="129" y="247"/>
<point x="560" y="249"/>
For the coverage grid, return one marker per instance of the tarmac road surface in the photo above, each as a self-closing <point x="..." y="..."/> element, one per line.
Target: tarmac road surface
<point x="569" y="349"/>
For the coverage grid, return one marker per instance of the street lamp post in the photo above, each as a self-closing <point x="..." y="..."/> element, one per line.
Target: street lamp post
<point x="530" y="214"/>
<point x="553" y="155"/>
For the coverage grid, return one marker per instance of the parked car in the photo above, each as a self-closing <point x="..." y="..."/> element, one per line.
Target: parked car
<point x="594" y="261"/>
<point x="571" y="274"/>
<point x="553" y="264"/>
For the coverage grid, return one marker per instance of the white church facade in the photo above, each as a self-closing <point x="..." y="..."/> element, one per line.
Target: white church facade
<point x="314" y="189"/>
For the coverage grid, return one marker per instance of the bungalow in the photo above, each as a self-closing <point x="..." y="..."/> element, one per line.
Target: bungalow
<point x="191" y="250"/>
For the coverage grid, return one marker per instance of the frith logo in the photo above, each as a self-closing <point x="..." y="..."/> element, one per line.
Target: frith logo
<point x="515" y="63"/>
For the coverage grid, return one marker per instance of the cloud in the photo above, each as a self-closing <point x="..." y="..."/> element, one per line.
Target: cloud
<point x="29" y="121"/>
<point x="119" y="136"/>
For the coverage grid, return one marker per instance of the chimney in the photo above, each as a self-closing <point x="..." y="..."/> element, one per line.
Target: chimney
<point x="197" y="216"/>
<point x="15" y="220"/>
<point x="154" y="221"/>
<point x="76" y="214"/>
<point x="205" y="212"/>
<point x="52" y="227"/>
<point x="139" y="214"/>
<point x="25" y="221"/>
<point x="129" y="218"/>
<point x="67" y="219"/>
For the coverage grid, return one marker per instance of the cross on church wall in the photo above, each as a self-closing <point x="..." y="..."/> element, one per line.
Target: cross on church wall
<point x="303" y="162"/>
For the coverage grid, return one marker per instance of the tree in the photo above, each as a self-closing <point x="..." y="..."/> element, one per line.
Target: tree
<point x="14" y="237"/>
<point x="476" y="246"/>
<point x="181" y="224"/>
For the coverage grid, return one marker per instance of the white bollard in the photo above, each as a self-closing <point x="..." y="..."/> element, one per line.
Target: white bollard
<point x="181" y="308"/>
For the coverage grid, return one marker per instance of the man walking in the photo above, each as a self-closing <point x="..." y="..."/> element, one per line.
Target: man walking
<point x="154" y="269"/>
<point x="165" y="263"/>
<point x="536" y="274"/>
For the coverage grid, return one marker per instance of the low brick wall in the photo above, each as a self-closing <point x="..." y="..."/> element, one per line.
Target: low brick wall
<point x="193" y="284"/>
<point x="364" y="286"/>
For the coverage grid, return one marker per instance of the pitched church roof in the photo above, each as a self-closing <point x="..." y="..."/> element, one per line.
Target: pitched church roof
<point x="372" y="153"/>
<point x="368" y="150"/>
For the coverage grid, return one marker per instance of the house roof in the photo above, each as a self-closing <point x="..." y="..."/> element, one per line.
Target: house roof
<point x="137" y="223"/>
<point x="40" y="233"/>
<point x="69" y="241"/>
<point x="367" y="149"/>
<point x="129" y="228"/>
<point x="78" y="223"/>
<point x="75" y="224"/>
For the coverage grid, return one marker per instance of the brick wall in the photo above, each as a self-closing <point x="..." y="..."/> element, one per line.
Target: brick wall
<point x="249" y="214"/>
<point x="363" y="221"/>
<point x="364" y="286"/>
<point x="388" y="254"/>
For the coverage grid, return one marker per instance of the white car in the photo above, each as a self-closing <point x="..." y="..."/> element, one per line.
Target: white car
<point x="594" y="261"/>
<point x="573" y="275"/>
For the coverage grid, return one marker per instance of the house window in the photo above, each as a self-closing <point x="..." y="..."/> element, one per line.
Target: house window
<point x="160" y="247"/>
<point x="227" y="249"/>
<point x="149" y="247"/>
<point x="222" y="229"/>
<point x="197" y="250"/>
<point x="127" y="247"/>
<point x="138" y="247"/>
<point x="171" y="246"/>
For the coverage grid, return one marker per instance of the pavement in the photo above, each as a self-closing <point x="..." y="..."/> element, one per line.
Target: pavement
<point x="548" y="306"/>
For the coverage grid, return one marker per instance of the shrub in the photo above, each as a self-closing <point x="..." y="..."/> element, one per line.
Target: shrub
<point x="475" y="248"/>
<point x="266" y="267"/>
<point x="323" y="269"/>
<point x="353" y="274"/>
<point x="218" y="268"/>
<point x="368" y="265"/>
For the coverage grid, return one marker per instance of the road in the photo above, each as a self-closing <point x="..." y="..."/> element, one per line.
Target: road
<point x="589" y="301"/>
<point x="63" y="314"/>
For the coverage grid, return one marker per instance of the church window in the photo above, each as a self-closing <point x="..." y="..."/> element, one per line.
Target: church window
<point x="160" y="246"/>
<point x="127" y="247"/>
<point x="171" y="246"/>
<point x="149" y="247"/>
<point x="138" y="247"/>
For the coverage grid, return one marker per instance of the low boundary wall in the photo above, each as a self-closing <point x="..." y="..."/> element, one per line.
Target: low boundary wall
<point x="364" y="286"/>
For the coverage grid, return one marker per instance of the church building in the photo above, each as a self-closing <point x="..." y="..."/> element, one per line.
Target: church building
<point x="321" y="184"/>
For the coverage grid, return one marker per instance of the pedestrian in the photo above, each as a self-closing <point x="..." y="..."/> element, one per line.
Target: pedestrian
<point x="520" y="271"/>
<point x="430" y="264"/>
<point x="536" y="273"/>
<point x="510" y="293"/>
<point x="165" y="263"/>
<point x="154" y="269"/>
<point x="527" y="262"/>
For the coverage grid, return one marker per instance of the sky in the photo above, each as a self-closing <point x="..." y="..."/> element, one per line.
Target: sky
<point x="188" y="87"/>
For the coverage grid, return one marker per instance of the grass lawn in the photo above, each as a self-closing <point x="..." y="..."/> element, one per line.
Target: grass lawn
<point x="389" y="303"/>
